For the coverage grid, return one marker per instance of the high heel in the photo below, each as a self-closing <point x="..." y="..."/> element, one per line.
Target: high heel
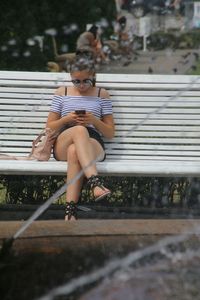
<point x="96" y="181"/>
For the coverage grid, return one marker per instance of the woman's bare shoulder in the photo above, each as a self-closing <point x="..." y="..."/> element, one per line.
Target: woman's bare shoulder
<point x="60" y="91"/>
<point x="104" y="93"/>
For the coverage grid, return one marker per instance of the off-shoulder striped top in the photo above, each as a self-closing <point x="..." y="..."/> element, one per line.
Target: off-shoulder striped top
<point x="98" y="106"/>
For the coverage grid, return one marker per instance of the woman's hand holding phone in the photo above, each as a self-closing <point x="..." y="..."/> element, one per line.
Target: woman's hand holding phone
<point x="80" y="117"/>
<point x="80" y="112"/>
<point x="84" y="118"/>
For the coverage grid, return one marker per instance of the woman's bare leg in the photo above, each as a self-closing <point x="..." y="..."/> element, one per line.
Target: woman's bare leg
<point x="74" y="167"/>
<point x="87" y="149"/>
<point x="73" y="185"/>
<point x="75" y="146"/>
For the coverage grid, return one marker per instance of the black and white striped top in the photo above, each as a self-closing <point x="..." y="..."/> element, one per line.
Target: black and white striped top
<point x="99" y="107"/>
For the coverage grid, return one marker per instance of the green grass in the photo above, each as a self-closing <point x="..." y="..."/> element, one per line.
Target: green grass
<point x="2" y="194"/>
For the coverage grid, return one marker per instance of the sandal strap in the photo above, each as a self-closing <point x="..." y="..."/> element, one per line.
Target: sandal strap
<point x="94" y="181"/>
<point x="71" y="210"/>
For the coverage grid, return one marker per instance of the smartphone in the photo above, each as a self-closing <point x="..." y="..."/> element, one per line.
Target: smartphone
<point x="80" y="112"/>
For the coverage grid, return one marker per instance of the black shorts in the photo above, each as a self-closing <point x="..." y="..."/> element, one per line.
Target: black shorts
<point x="92" y="134"/>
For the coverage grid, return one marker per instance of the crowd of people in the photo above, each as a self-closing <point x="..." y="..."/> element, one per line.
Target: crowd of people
<point x="90" y="44"/>
<point x="120" y="44"/>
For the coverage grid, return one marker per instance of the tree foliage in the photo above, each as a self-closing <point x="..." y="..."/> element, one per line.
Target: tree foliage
<point x="23" y="21"/>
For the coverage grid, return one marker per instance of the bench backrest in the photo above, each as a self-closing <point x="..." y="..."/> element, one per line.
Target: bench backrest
<point x="156" y="116"/>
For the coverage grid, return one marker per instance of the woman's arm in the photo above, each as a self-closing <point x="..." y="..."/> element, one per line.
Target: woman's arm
<point x="54" y="120"/>
<point x="106" y="124"/>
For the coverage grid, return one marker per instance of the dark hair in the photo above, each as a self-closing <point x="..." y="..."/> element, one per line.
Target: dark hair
<point x="85" y="53"/>
<point x="94" y="30"/>
<point x="82" y="63"/>
<point x="122" y="20"/>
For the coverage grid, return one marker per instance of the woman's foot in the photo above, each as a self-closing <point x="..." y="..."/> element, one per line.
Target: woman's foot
<point x="71" y="211"/>
<point x="96" y="184"/>
<point x="72" y="218"/>
<point x="100" y="192"/>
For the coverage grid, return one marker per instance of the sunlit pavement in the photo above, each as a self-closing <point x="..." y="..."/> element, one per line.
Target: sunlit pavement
<point x="166" y="61"/>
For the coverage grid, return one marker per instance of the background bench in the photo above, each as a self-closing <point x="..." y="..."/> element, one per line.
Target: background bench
<point x="157" y="123"/>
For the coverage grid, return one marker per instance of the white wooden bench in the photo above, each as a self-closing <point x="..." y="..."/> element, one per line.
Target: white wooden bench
<point x="157" y="123"/>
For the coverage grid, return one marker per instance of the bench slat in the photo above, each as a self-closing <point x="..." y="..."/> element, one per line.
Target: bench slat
<point x="131" y="140"/>
<point x="120" y="129"/>
<point x="137" y="168"/>
<point x="159" y="116"/>
<point x="134" y="124"/>
<point x="155" y="93"/>
<point x="159" y="127"/>
<point x="122" y="154"/>
<point x="156" y="78"/>
<point x="138" y="158"/>
<point x="151" y="110"/>
<point x="116" y="147"/>
<point x="176" y="155"/>
<point x="120" y="119"/>
<point x="110" y="85"/>
<point x="115" y="94"/>
<point x="118" y="102"/>
<point x="125" y="110"/>
<point x="30" y="134"/>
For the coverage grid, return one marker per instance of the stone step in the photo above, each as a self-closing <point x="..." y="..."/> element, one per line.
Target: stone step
<point x="58" y="236"/>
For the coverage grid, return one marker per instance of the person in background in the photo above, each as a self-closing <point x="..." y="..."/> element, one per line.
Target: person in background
<point x="176" y="5"/>
<point x="89" y="42"/>
<point x="86" y="44"/>
<point x="83" y="115"/>
<point x="125" y="36"/>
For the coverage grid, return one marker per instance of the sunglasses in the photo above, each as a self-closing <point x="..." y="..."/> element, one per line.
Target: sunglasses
<point x="86" y="82"/>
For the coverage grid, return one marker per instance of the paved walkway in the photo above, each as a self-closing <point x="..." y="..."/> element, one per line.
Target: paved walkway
<point x="156" y="62"/>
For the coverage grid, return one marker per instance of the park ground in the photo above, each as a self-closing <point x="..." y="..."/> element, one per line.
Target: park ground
<point x="168" y="61"/>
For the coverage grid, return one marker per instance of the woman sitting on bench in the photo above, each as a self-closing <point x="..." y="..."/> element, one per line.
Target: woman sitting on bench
<point x="83" y="114"/>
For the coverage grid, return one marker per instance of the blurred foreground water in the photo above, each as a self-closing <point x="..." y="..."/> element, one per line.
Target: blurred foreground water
<point x="176" y="277"/>
<point x="158" y="270"/>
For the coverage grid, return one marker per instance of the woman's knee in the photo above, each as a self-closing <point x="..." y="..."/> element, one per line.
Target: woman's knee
<point x="71" y="154"/>
<point x="80" y="131"/>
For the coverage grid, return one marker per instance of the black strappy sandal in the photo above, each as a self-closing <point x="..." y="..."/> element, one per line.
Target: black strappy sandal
<point x="95" y="181"/>
<point x="71" y="210"/>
